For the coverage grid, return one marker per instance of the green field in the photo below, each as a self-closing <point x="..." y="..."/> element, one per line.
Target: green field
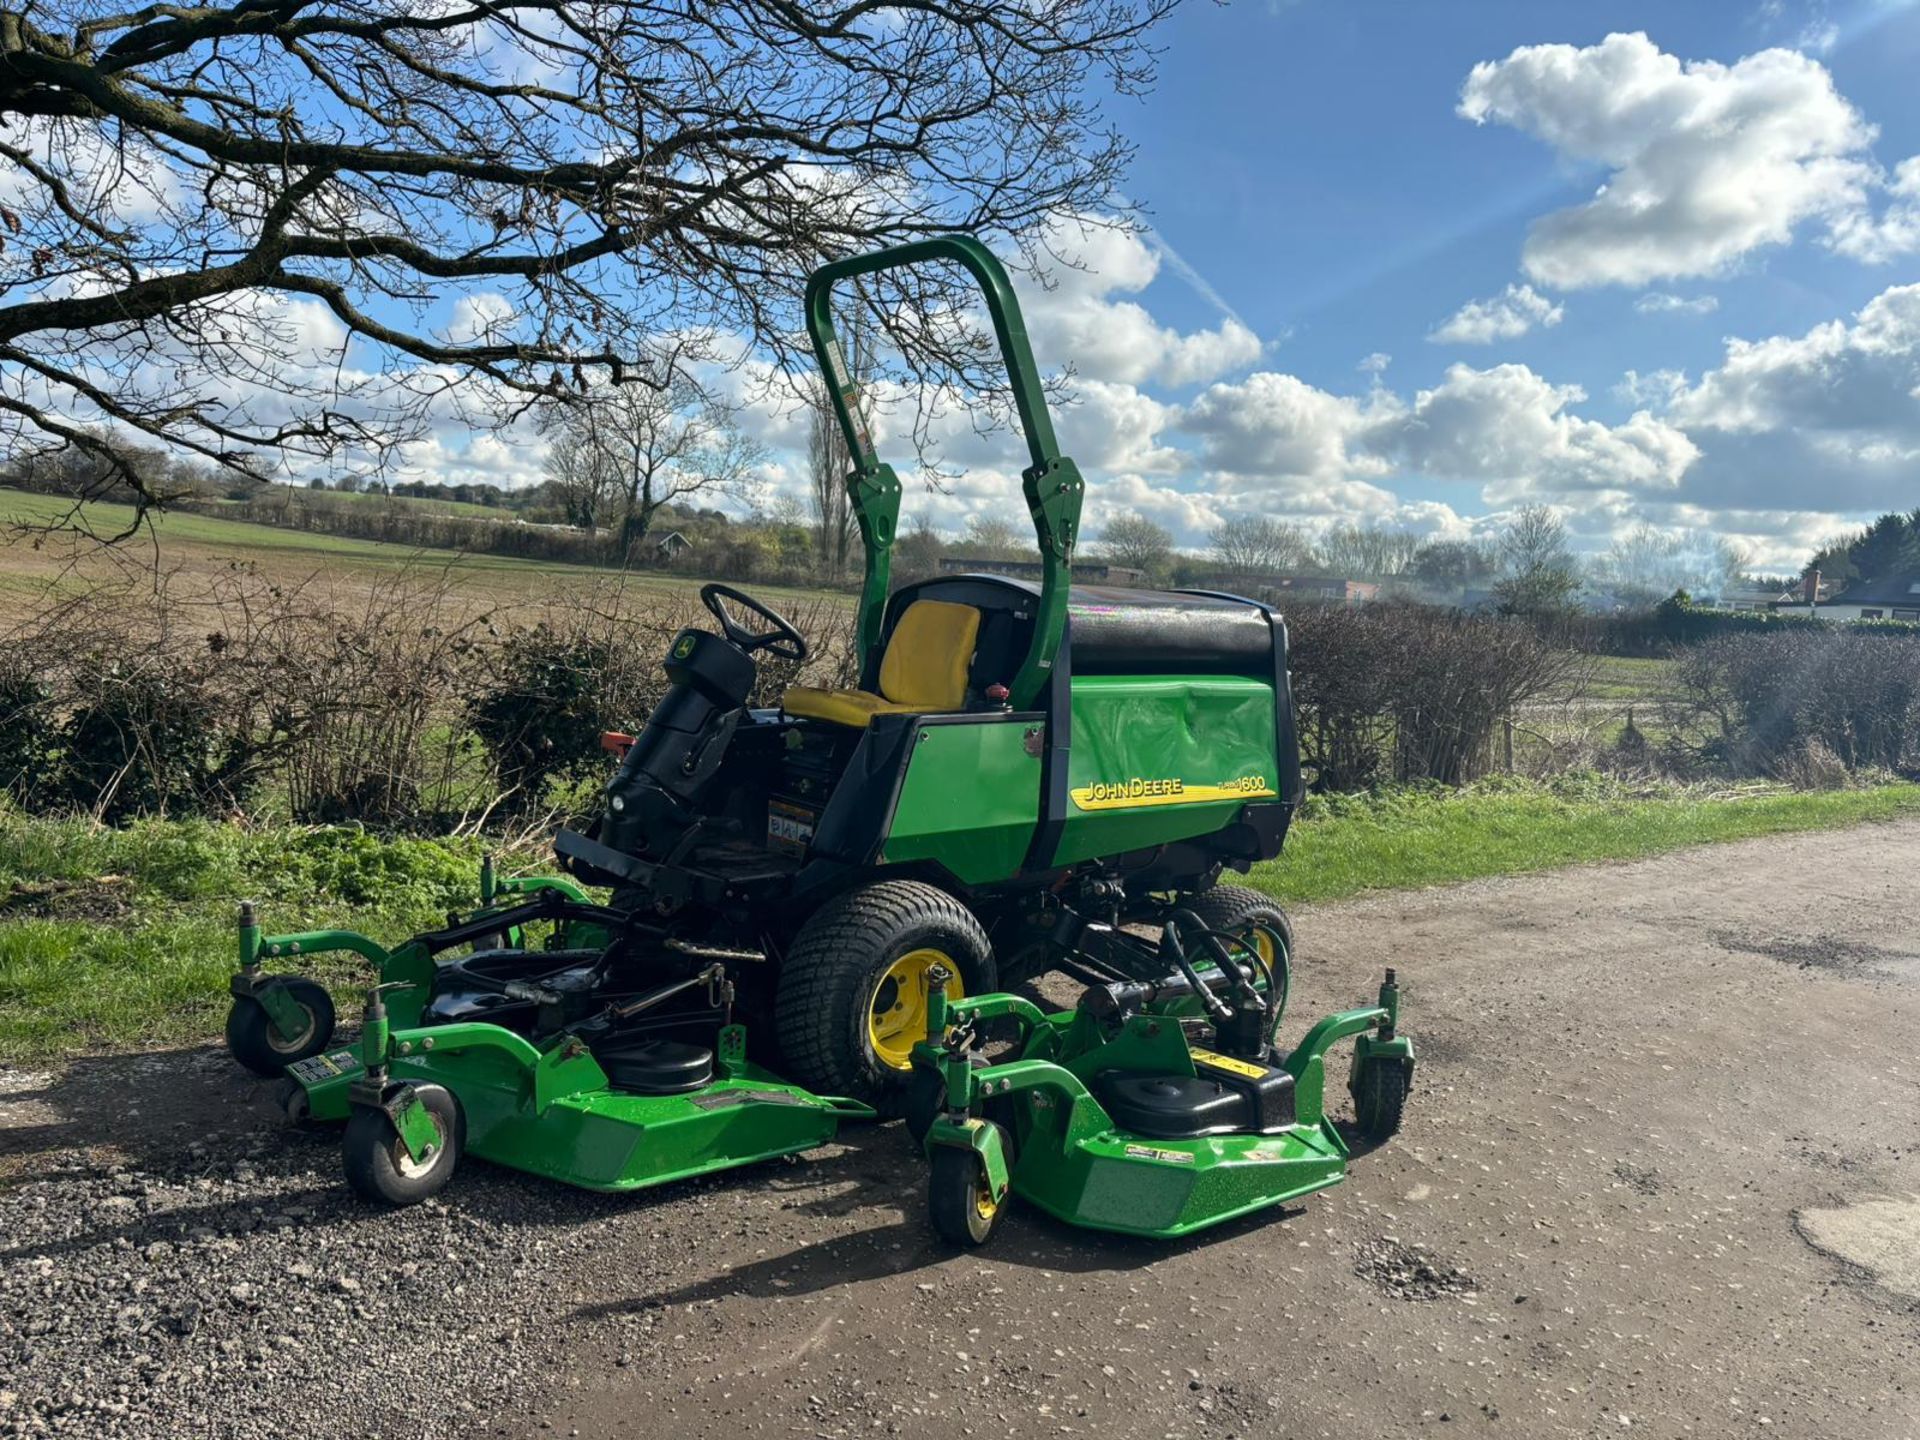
<point x="204" y="542"/>
<point x="124" y="938"/>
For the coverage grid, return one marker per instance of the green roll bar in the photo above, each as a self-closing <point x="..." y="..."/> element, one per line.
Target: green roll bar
<point x="1052" y="483"/>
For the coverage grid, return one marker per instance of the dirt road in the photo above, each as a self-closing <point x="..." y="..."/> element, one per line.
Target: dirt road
<point x="1661" y="1176"/>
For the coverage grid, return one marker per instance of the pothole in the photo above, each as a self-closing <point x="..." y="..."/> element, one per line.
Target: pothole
<point x="1880" y="1235"/>
<point x="1409" y="1272"/>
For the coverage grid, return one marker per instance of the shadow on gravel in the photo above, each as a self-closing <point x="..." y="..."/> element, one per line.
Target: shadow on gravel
<point x="1027" y="1238"/>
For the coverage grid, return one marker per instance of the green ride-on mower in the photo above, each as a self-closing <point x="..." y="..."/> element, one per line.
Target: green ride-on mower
<point x="1115" y="1116"/>
<point x="1026" y="767"/>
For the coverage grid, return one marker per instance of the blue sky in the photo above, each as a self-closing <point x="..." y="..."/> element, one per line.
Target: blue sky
<point x="1417" y="265"/>
<point x="1310" y="164"/>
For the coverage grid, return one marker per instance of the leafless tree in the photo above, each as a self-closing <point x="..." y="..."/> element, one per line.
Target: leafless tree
<point x="994" y="537"/>
<point x="1137" y="542"/>
<point x="277" y="233"/>
<point x="1373" y="552"/>
<point x="656" y="447"/>
<point x="1259" y="545"/>
<point x="580" y="471"/>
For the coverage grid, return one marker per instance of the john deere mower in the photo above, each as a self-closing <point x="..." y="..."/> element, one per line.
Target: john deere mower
<point x="1151" y="1108"/>
<point x="1025" y="768"/>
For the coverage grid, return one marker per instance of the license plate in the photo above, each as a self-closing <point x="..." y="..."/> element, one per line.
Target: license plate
<point x="789" y="827"/>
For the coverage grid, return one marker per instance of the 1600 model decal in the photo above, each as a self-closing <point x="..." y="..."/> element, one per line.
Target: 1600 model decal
<point x="1126" y="794"/>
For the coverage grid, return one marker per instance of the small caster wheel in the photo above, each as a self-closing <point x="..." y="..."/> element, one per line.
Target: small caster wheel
<point x="297" y="1106"/>
<point x="1380" y="1098"/>
<point x="959" y="1201"/>
<point x="256" y="1043"/>
<point x="378" y="1166"/>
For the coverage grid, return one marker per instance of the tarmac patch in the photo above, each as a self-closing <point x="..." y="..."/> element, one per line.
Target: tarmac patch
<point x="1409" y="1272"/>
<point x="1880" y="1235"/>
<point x="1821" y="952"/>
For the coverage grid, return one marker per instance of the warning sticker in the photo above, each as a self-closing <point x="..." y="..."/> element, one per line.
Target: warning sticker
<point x="1154" y="1152"/>
<point x="1228" y="1064"/>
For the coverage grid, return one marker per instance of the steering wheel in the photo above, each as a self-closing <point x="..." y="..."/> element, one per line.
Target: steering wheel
<point x="782" y="641"/>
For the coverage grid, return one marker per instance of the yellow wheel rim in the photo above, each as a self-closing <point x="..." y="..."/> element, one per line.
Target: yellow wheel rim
<point x="983" y="1201"/>
<point x="897" y="1008"/>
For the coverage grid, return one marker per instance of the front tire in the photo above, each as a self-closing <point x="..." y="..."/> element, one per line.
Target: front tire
<point x="377" y="1164"/>
<point x="1380" y="1099"/>
<point x="852" y="997"/>
<point x="959" y="1201"/>
<point x="253" y="1040"/>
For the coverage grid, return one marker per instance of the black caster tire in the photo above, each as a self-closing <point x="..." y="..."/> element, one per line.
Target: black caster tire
<point x="1380" y="1099"/>
<point x="253" y="1041"/>
<point x="297" y="1108"/>
<point x="852" y="1001"/>
<point x="378" y="1166"/>
<point x="959" y="1203"/>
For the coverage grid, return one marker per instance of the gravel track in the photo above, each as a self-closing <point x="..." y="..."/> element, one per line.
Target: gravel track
<point x="1658" y="1178"/>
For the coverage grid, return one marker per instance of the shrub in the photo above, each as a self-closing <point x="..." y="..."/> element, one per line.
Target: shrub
<point x="27" y="744"/>
<point x="1760" y="699"/>
<point x="1423" y="688"/>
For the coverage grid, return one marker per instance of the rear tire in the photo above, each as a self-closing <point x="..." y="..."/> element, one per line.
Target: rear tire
<point x="378" y="1166"/>
<point x="1233" y="908"/>
<point x="1380" y="1099"/>
<point x="841" y="1029"/>
<point x="256" y="1044"/>
<point x="959" y="1202"/>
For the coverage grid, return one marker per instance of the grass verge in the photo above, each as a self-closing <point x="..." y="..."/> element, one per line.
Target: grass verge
<point x="1405" y="839"/>
<point x="124" y="938"/>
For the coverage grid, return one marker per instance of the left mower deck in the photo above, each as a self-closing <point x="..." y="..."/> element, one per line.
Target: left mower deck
<point x="545" y="1059"/>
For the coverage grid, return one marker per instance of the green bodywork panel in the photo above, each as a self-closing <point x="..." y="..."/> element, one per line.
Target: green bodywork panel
<point x="970" y="800"/>
<point x="1070" y="1159"/>
<point x="550" y="1111"/>
<point x="1160" y="758"/>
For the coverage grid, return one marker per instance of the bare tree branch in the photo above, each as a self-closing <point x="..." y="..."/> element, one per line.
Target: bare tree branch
<point x="293" y="235"/>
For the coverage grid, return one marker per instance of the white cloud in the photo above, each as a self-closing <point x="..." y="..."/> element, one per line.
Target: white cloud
<point x="1375" y="364"/>
<point x="1080" y="321"/>
<point x="1658" y="302"/>
<point x="1829" y="418"/>
<point x="1512" y="430"/>
<point x="1504" y="428"/>
<point x="1283" y="430"/>
<point x="1874" y="240"/>
<point x="1705" y="162"/>
<point x="1506" y="316"/>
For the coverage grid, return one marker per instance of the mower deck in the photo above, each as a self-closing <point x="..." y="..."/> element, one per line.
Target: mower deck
<point x="555" y="1114"/>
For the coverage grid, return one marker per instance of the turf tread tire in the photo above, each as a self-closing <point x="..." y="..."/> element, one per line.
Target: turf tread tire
<point x="827" y="976"/>
<point x="1229" y="907"/>
<point x="1380" y="1099"/>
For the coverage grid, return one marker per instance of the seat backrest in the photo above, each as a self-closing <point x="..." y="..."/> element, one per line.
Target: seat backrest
<point x="928" y="655"/>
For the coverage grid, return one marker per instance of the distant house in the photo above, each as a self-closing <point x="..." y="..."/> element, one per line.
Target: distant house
<point x="1278" y="589"/>
<point x="1755" y="597"/>
<point x="1892" y="597"/>
<point x="1086" y="572"/>
<point x="671" y="546"/>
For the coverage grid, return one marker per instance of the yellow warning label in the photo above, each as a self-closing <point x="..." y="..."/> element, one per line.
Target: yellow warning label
<point x="1228" y="1063"/>
<point x="1127" y="794"/>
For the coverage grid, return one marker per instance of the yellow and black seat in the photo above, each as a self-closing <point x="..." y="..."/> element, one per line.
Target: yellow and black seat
<point x="924" y="670"/>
